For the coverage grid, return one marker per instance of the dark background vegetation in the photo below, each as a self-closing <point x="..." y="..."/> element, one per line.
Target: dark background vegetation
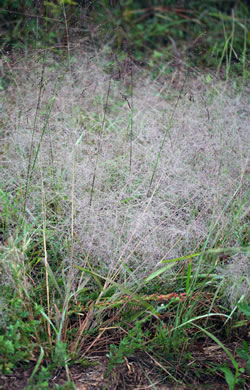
<point x="204" y="31"/>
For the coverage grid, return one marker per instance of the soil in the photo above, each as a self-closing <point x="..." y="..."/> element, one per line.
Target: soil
<point x="138" y="373"/>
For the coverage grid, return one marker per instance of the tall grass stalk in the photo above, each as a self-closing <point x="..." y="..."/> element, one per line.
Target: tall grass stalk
<point x="131" y="107"/>
<point x="46" y="260"/>
<point x="231" y="48"/>
<point x="29" y="169"/>
<point x="166" y="134"/>
<point x="244" y="57"/>
<point x="99" y="143"/>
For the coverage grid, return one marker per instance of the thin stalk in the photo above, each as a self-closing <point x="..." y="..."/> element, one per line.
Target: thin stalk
<point x="166" y="133"/>
<point x="131" y="123"/>
<point x="244" y="58"/>
<point x="69" y="284"/>
<point x="46" y="260"/>
<point x="99" y="144"/>
<point x="29" y="170"/>
<point x="31" y="167"/>
<point x="72" y="228"/>
<point x="231" y="46"/>
<point x="224" y="51"/>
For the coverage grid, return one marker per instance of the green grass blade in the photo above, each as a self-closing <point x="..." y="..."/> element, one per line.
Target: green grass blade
<point x="39" y="361"/>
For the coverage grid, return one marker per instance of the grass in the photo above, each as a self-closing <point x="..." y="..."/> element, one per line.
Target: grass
<point x="124" y="223"/>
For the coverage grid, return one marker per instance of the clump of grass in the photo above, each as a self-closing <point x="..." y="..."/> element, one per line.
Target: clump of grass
<point x="101" y="186"/>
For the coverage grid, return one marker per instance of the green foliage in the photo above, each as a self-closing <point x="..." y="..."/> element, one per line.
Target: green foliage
<point x="41" y="380"/>
<point x="168" y="344"/>
<point x="210" y="33"/>
<point x="244" y="353"/>
<point x="16" y="337"/>
<point x="66" y="386"/>
<point x="134" y="341"/>
<point x="244" y="308"/>
<point x="235" y="378"/>
<point x="33" y="23"/>
<point x="60" y="355"/>
<point x="231" y="379"/>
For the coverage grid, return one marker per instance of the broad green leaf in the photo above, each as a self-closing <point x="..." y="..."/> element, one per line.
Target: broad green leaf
<point x="229" y="376"/>
<point x="244" y="308"/>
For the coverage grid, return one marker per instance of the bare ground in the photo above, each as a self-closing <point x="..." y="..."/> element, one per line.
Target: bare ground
<point x="140" y="372"/>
